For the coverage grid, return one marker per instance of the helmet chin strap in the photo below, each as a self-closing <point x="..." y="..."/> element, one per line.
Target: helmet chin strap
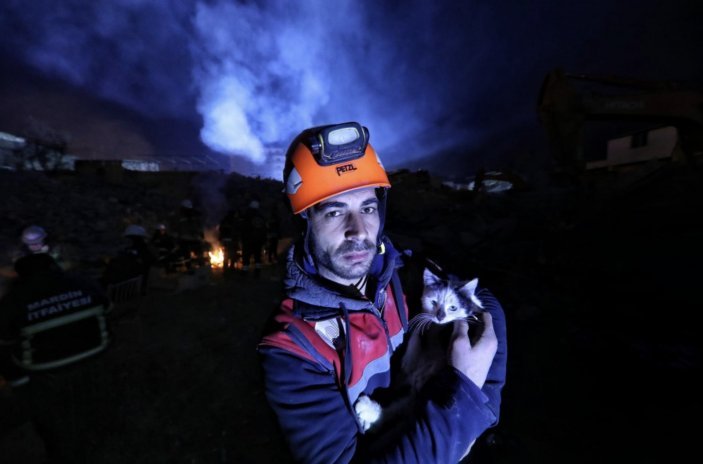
<point x="307" y="255"/>
<point x="381" y="194"/>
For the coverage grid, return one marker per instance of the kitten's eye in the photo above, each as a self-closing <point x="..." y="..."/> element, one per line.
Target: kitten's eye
<point x="452" y="308"/>
<point x="434" y="303"/>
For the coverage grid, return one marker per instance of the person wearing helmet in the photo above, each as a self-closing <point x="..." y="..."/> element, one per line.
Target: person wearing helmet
<point x="345" y="313"/>
<point x="253" y="234"/>
<point x="134" y="259"/>
<point x="139" y="248"/>
<point x="230" y="231"/>
<point x="34" y="239"/>
<point x="165" y="247"/>
<point x="190" y="235"/>
<point x="54" y="324"/>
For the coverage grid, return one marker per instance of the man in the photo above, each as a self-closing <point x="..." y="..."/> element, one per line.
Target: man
<point x="134" y="259"/>
<point x="190" y="235"/>
<point x="230" y="234"/>
<point x="332" y="338"/>
<point x="34" y="240"/>
<point x="54" y="324"/>
<point x="253" y="237"/>
<point x="140" y="250"/>
<point x="164" y="245"/>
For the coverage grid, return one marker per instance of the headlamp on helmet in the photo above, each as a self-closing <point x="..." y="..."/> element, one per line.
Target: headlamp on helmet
<point x="336" y="144"/>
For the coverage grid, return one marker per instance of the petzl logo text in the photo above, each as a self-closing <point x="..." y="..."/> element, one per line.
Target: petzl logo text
<point x="345" y="168"/>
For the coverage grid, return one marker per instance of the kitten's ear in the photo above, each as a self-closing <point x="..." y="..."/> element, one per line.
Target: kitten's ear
<point x="429" y="278"/>
<point x="469" y="290"/>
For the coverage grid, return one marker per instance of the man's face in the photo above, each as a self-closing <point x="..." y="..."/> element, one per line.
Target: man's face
<point x="343" y="235"/>
<point x="35" y="247"/>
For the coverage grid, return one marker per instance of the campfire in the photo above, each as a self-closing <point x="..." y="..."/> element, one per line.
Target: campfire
<point x="217" y="256"/>
<point x="217" y="252"/>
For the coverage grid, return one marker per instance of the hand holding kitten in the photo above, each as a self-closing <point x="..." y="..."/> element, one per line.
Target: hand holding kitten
<point x="473" y="361"/>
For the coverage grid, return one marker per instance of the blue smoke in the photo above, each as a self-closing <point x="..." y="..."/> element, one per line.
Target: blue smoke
<point x="424" y="77"/>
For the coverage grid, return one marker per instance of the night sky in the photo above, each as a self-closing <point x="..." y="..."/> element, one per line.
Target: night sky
<point x="166" y="78"/>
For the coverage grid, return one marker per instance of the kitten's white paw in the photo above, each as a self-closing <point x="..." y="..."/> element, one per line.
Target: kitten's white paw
<point x="367" y="410"/>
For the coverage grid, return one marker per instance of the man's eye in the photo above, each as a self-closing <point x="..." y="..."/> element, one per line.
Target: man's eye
<point x="369" y="210"/>
<point x="331" y="214"/>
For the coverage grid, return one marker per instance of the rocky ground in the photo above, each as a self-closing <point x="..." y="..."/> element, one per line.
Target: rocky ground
<point x="597" y="282"/>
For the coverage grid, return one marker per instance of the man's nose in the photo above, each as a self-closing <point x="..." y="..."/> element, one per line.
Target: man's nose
<point x="355" y="226"/>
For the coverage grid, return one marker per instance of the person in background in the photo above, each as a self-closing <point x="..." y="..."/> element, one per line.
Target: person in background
<point x="53" y="322"/>
<point x="164" y="246"/>
<point x="253" y="237"/>
<point x="34" y="239"/>
<point x="272" y="237"/>
<point x="138" y="247"/>
<point x="230" y="231"/>
<point x="134" y="259"/>
<point x="190" y="233"/>
<point x="345" y="313"/>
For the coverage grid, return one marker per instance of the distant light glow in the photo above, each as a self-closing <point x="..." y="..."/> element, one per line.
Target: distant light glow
<point x="137" y="165"/>
<point x="492" y="185"/>
<point x="12" y="139"/>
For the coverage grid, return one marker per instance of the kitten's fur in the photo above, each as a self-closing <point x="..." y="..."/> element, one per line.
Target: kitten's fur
<point x="443" y="303"/>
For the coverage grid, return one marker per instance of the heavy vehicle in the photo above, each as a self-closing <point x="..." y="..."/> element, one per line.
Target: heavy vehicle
<point x="568" y="101"/>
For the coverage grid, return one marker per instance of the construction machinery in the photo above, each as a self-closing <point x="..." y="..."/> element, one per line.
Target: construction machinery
<point x="568" y="101"/>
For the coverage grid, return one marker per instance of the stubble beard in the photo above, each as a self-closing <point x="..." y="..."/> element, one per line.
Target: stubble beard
<point x="334" y="262"/>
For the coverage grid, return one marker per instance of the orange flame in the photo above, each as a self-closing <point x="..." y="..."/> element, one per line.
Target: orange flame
<point x="217" y="257"/>
<point x="217" y="252"/>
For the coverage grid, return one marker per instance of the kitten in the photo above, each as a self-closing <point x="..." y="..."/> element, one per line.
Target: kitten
<point x="443" y="303"/>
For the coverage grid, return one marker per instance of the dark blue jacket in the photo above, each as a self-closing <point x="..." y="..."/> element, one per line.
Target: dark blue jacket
<point x="44" y="292"/>
<point x="313" y="375"/>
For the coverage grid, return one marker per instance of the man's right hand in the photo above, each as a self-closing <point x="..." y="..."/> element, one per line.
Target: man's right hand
<point x="474" y="361"/>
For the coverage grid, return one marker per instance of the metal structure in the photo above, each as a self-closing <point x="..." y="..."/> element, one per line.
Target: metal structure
<point x="564" y="107"/>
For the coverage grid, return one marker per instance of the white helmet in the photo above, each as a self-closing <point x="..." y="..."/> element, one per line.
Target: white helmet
<point x="134" y="230"/>
<point x="33" y="235"/>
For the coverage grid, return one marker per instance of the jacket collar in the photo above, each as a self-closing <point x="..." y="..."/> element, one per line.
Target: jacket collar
<point x="322" y="298"/>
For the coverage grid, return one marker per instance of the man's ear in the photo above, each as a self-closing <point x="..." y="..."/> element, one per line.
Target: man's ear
<point x="300" y="223"/>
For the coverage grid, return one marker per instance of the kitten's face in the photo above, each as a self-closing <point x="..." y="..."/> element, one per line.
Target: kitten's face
<point x="443" y="305"/>
<point x="444" y="302"/>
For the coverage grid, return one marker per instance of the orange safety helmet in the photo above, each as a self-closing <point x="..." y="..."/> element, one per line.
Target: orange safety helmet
<point x="325" y="161"/>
